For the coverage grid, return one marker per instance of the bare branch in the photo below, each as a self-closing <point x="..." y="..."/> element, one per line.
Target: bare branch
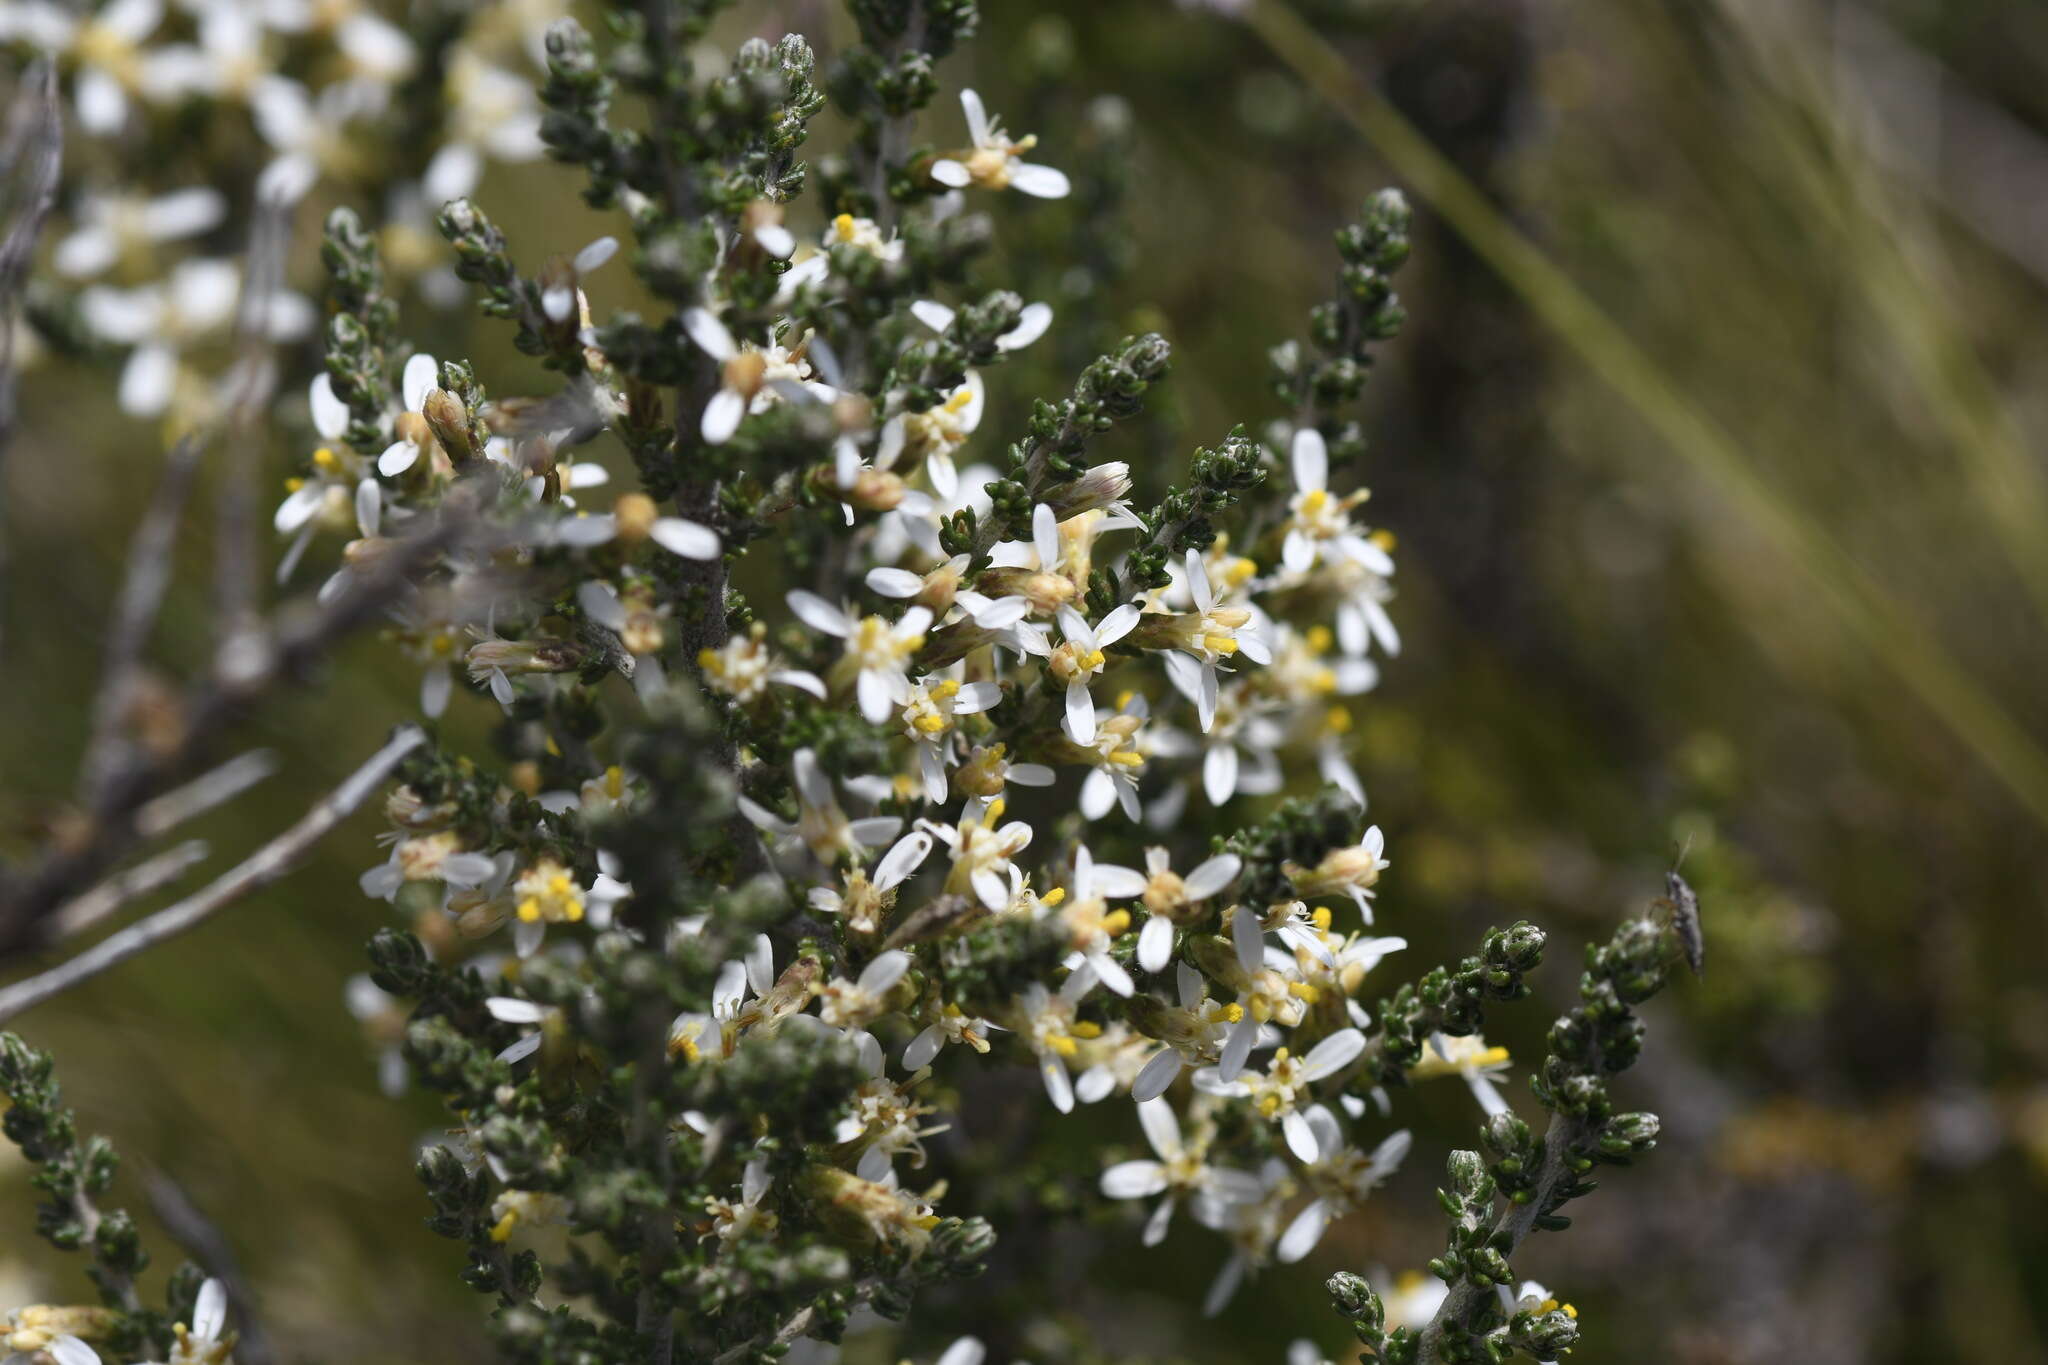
<point x="159" y="817"/>
<point x="265" y="866"/>
<point x="124" y="886"/>
<point x="208" y="1246"/>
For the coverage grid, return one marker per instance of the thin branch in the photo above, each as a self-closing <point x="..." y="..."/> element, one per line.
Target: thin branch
<point x="265" y="866"/>
<point x="159" y="817"/>
<point x="799" y="1323"/>
<point x="208" y="1246"/>
<point x="143" y="584"/>
<point x="124" y="886"/>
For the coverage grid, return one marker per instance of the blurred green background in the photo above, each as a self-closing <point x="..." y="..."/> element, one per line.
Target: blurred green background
<point x="1826" y="225"/>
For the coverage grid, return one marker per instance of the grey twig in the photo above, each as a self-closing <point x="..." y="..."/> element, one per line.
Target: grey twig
<point x="153" y="819"/>
<point x="265" y="866"/>
<point x="124" y="886"/>
<point x="208" y="1246"/>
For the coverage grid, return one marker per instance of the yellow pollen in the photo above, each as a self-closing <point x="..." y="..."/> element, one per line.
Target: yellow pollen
<point x="294" y="485"/>
<point x="1054" y="896"/>
<point x="1066" y="1047"/>
<point x="995" y="810"/>
<point x="1319" y="639"/>
<point x="1314" y="501"/>
<point x="1320" y="917"/>
<point x="1269" y="1105"/>
<point x="325" y="458"/>
<point x="1337" y="720"/>
<point x="442" y="644"/>
<point x="1493" y="1056"/>
<point x="554" y="749"/>
<point x="502" y="1231"/>
<point x="1085" y="1029"/>
<point x="1115" y="922"/>
<point x="843" y="225"/>
<point x="529" y="910"/>
<point x="1383" y="539"/>
<point x="930" y="725"/>
<point x="945" y="689"/>
<point x="1221" y="644"/>
<point x="1279" y="1055"/>
<point x="614" y="781"/>
<point x="1304" y="992"/>
<point x="1127" y="758"/>
<point x="1233" y="1012"/>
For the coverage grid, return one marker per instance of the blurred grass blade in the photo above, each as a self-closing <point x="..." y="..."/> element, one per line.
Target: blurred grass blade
<point x="1884" y="627"/>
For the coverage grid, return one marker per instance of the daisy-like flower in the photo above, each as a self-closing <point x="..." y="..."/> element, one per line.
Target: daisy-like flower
<point x="1253" y="1225"/>
<point x="1089" y="920"/>
<point x="1193" y="644"/>
<point x="310" y="133"/>
<point x="1171" y="899"/>
<point x="1468" y="1057"/>
<point x="864" y="901"/>
<point x="429" y="857"/>
<point x="160" y="321"/>
<point x="731" y="1220"/>
<point x="982" y="852"/>
<point x="412" y="436"/>
<point x="114" y="228"/>
<point x="1532" y="1297"/>
<point x="752" y="378"/>
<point x="1200" y="1031"/>
<point x="1046" y="1022"/>
<point x="105" y="49"/>
<point x="515" y="1209"/>
<point x="928" y="718"/>
<point x="1278" y="1092"/>
<point x="878" y="651"/>
<point x="928" y="439"/>
<point x="336" y="488"/>
<point x="1181" y="1172"/>
<point x="491" y="112"/>
<point x="987" y="770"/>
<point x="1079" y="658"/>
<point x="1412" y="1299"/>
<point x="863" y="234"/>
<point x="1115" y="756"/>
<point x="62" y="1347"/>
<point x="849" y="1005"/>
<point x="744" y="668"/>
<point x="953" y="1025"/>
<point x="883" y="1117"/>
<point x="1320" y="526"/>
<point x="1341" y="1177"/>
<point x="820" y="825"/>
<point x="1349" y="872"/>
<point x="993" y="162"/>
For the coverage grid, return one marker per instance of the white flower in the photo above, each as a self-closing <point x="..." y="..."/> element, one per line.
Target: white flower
<point x="981" y="852"/>
<point x="383" y="1018"/>
<point x="1116" y="756"/>
<point x="953" y="1025"/>
<point x="743" y="668"/>
<point x="1201" y="1031"/>
<point x="1349" y="872"/>
<point x="1198" y="642"/>
<point x="1320" y="528"/>
<point x="1341" y="1176"/>
<point x="1080" y="658"/>
<point x="929" y="438"/>
<point x="421" y="377"/>
<point x="105" y="47"/>
<point x="117" y="227"/>
<point x="310" y="133"/>
<point x="161" y="320"/>
<point x="1182" y="1171"/>
<point x="1047" y="1023"/>
<point x="1413" y="1298"/>
<point x="928" y="714"/>
<point x="207" y="1341"/>
<point x="63" y="1348"/>
<point x="751" y="379"/>
<point x="1169" y="897"/>
<point x="848" y="1005"/>
<point x="488" y="111"/>
<point x="1090" y="921"/>
<point x="993" y="162"/>
<point x="1278" y="1092"/>
<point x="1252" y="1226"/>
<point x="820" y="825"/>
<point x="878" y="651"/>
<point x="731" y="1221"/>
<point x="1468" y="1057"/>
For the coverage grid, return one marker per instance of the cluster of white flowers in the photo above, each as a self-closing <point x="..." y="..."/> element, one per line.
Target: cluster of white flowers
<point x="314" y="86"/>
<point x="64" y="1334"/>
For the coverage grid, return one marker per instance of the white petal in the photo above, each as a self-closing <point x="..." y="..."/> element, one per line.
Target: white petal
<point x="1156" y="1075"/>
<point x="1031" y="325"/>
<point x="892" y="582"/>
<point x="1303" y="1233"/>
<point x="1117" y="883"/>
<point x="965" y="1351"/>
<point x="1134" y="1179"/>
<point x="1237" y="1047"/>
<point x="512" y="1010"/>
<point x="820" y="615"/>
<point x="1211" y="876"/>
<point x="435" y="686"/>
<point x="1155" y="943"/>
<point x="1156" y="1225"/>
<point x="709" y="333"/>
<point x="1311" y="458"/>
<point x="792" y="677"/>
<point x="398" y="457"/>
<point x="147" y="380"/>
<point x="422" y="377"/>
<point x="596" y="254"/>
<point x="1040" y="182"/>
<point x="601" y="604"/>
<point x="210" y="1313"/>
<point x="776" y="240"/>
<point x="1301" y="1139"/>
<point x="1032" y="775"/>
<point x="1057" y="1084"/>
<point x="1219" y="773"/>
<point x="977" y="117"/>
<point x="1332" y="1054"/>
<point x="885" y="971"/>
<point x="932" y="314"/>
<point x="298" y="508"/>
<point x="69" y="1350"/>
<point x="681" y="536"/>
<point x="1249" y="940"/>
<point x="923" y="1048"/>
<point x="1080" y="720"/>
<point x="330" y="414"/>
<point x="951" y="173"/>
<point x="722" y="416"/>
<point x="904" y="858"/>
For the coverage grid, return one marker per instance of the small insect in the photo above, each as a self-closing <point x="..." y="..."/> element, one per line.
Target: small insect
<point x="1684" y="905"/>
